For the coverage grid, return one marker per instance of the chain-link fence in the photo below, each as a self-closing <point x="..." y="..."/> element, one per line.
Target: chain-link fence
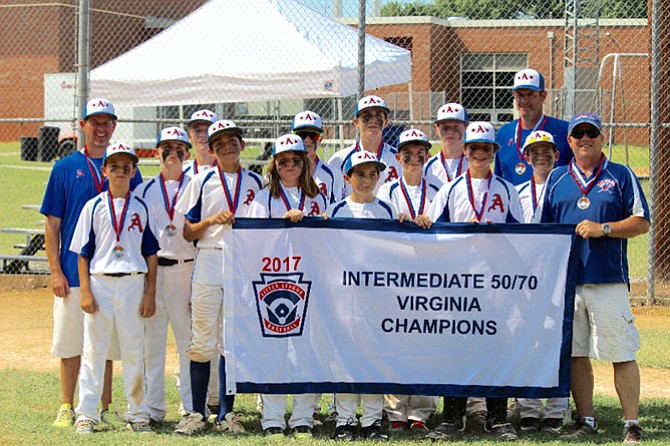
<point x="278" y="57"/>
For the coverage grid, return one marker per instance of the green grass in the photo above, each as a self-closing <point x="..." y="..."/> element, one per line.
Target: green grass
<point x="28" y="401"/>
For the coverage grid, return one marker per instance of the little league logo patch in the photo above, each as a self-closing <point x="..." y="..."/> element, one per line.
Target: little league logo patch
<point x="281" y="301"/>
<point x="606" y="185"/>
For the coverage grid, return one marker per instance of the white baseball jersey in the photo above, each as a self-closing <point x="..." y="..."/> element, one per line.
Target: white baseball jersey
<point x="95" y="236"/>
<point x="385" y="153"/>
<point x="266" y="206"/>
<point x="168" y="230"/>
<point x="325" y="179"/>
<point x="206" y="195"/>
<point x="440" y="170"/>
<point x="192" y="168"/>
<point x="530" y="195"/>
<point x="492" y="199"/>
<point x="346" y="208"/>
<point x="406" y="199"/>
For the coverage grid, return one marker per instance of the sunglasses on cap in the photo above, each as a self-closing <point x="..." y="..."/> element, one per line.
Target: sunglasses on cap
<point x="592" y="132"/>
<point x="314" y="136"/>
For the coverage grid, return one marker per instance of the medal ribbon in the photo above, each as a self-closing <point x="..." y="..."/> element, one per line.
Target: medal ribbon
<point x="586" y="186"/>
<point x="232" y="203"/>
<point x="195" y="165"/>
<point x="517" y="139"/>
<point x="471" y="195"/>
<point x="118" y="224"/>
<point x="459" y="171"/>
<point x="169" y="207"/>
<point x="408" y="200"/>
<point x="379" y="150"/>
<point x="533" y="193"/>
<point x="98" y="179"/>
<point x="287" y="203"/>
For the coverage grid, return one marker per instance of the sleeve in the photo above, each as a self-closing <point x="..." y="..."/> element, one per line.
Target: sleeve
<point x="635" y="201"/>
<point x="83" y="239"/>
<point x="439" y="204"/>
<point x="515" y="214"/>
<point x="543" y="211"/>
<point x="54" y="199"/>
<point x="189" y="203"/>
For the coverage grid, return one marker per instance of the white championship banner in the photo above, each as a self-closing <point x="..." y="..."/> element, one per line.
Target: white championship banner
<point x="370" y="306"/>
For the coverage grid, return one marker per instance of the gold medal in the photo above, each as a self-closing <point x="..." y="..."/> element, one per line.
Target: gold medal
<point x="520" y="169"/>
<point x="583" y="203"/>
<point x="118" y="251"/>
<point x="170" y="230"/>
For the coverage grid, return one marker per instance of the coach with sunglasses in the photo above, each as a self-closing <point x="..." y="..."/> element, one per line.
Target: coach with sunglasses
<point x="529" y="96"/>
<point x="606" y="203"/>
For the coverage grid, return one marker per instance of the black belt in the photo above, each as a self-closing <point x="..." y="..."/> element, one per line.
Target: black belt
<point x="163" y="261"/>
<point x="121" y="274"/>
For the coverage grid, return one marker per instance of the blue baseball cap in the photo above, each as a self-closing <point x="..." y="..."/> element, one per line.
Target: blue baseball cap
<point x="529" y="79"/>
<point x="585" y="118"/>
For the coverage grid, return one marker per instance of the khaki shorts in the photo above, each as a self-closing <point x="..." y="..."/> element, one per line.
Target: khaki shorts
<point x="604" y="327"/>
<point x="68" y="333"/>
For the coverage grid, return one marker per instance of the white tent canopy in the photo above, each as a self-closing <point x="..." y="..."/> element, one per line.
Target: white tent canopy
<point x="248" y="50"/>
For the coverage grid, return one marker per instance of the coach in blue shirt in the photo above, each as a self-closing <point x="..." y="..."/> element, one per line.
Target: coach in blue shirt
<point x="606" y="203"/>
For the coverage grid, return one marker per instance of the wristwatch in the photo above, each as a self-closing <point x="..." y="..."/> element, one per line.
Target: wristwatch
<point x="607" y="229"/>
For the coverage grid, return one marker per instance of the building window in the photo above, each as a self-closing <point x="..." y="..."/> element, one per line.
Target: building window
<point x="486" y="82"/>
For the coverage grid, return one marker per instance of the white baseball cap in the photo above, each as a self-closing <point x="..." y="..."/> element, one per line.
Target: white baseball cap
<point x="288" y="143"/>
<point x="371" y="102"/>
<point x="539" y="136"/>
<point x="98" y="106"/>
<point x="362" y="157"/>
<point x="480" y="131"/>
<point x="452" y="112"/>
<point x="119" y="148"/>
<point x="529" y="79"/>
<point x="173" y="134"/>
<point x="223" y="125"/>
<point x="203" y="115"/>
<point x="413" y="136"/>
<point x="307" y="121"/>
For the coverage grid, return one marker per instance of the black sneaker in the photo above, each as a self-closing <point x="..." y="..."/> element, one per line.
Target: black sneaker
<point x="446" y="430"/>
<point x="302" y="432"/>
<point x="346" y="432"/>
<point x="580" y="430"/>
<point x="530" y="425"/>
<point x="503" y="431"/>
<point x="373" y="432"/>
<point x="273" y="433"/>
<point x="552" y="425"/>
<point x="632" y="434"/>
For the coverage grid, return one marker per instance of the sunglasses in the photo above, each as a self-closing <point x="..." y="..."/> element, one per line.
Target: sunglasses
<point x="314" y="136"/>
<point x="284" y="162"/>
<point x="579" y="133"/>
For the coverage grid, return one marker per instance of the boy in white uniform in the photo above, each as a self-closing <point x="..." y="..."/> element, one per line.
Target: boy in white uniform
<point x="476" y="196"/>
<point x="175" y="266"/>
<point x="117" y="249"/>
<point x="211" y="200"/>
<point x="370" y="118"/>
<point x="541" y="152"/>
<point x="197" y="132"/>
<point x="362" y="171"/>
<point x="450" y="162"/>
<point x="309" y="127"/>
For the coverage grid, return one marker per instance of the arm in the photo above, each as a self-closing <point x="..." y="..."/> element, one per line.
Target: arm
<point x="148" y="304"/>
<point x="627" y="228"/>
<point x="194" y="231"/>
<point x="59" y="284"/>
<point x="88" y="302"/>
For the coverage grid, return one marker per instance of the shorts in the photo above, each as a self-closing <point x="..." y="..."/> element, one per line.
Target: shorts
<point x="604" y="326"/>
<point x="68" y="333"/>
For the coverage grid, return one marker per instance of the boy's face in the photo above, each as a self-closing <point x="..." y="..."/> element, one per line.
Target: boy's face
<point x="310" y="139"/>
<point x="372" y="120"/>
<point x="197" y="133"/>
<point x="450" y="132"/>
<point x="226" y="147"/>
<point x="172" y="153"/>
<point x="542" y="157"/>
<point x="363" y="178"/>
<point x="479" y="154"/>
<point x="412" y="157"/>
<point x="119" y="168"/>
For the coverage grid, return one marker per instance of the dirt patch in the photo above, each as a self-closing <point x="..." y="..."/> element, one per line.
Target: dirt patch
<point x="26" y="329"/>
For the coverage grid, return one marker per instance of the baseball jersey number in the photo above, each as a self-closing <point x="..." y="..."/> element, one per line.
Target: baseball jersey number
<point x="277" y="264"/>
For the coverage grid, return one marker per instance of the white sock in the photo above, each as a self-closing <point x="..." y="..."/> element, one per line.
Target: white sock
<point x="591" y="421"/>
<point x="627" y="423"/>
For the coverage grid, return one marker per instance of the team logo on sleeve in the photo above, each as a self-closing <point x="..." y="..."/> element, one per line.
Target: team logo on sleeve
<point x="281" y="301"/>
